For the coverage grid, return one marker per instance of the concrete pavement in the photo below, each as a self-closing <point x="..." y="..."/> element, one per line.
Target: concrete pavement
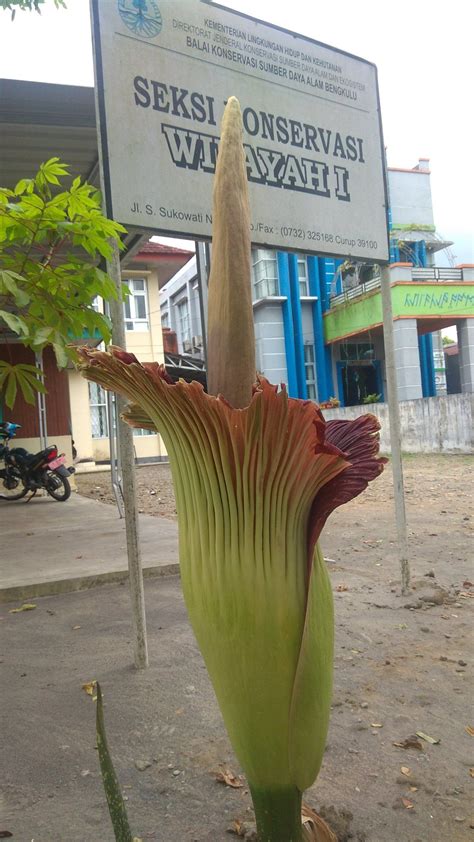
<point x="48" y="547"/>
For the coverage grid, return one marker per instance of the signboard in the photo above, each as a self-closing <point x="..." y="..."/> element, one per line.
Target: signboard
<point x="312" y="130"/>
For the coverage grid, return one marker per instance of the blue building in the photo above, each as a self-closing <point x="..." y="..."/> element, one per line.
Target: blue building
<point x="318" y="320"/>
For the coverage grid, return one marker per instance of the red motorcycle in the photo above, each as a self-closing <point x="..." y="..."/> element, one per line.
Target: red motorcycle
<point x="22" y="472"/>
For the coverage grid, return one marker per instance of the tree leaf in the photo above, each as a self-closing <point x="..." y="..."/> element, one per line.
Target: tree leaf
<point x="27" y="606"/>
<point x="8" y="280"/>
<point x="61" y="355"/>
<point x="25" y="388"/>
<point x="42" y="336"/>
<point x="11" y="390"/>
<point x="15" y="323"/>
<point x="33" y="379"/>
<point x="23" y="186"/>
<point x="49" y="247"/>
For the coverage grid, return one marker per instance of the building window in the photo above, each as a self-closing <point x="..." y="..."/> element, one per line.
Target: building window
<point x="135" y="306"/>
<point x="99" y="414"/>
<point x="165" y="320"/>
<point x="310" y="371"/>
<point x="98" y="408"/>
<point x="264" y="273"/>
<point x="303" y="275"/>
<point x="358" y="351"/>
<point x="184" y="326"/>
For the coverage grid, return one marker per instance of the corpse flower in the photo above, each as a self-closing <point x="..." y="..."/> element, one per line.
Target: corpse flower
<point x="256" y="475"/>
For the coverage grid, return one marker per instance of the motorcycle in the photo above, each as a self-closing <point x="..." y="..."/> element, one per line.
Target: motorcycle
<point x="22" y="472"/>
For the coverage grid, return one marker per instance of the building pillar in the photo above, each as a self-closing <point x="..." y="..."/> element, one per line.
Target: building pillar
<point x="318" y="328"/>
<point x="287" y="310"/>
<point x="428" y="380"/>
<point x="407" y="358"/>
<point x="465" y="329"/>
<point x="439" y="363"/>
<point x="297" y="325"/>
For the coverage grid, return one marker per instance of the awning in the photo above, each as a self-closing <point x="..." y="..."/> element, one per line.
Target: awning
<point x="178" y="366"/>
<point x="39" y="121"/>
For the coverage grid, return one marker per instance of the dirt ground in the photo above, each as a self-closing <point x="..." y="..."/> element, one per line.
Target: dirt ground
<point x="403" y="664"/>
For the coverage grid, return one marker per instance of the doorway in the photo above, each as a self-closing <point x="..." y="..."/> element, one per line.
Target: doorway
<point x="357" y="381"/>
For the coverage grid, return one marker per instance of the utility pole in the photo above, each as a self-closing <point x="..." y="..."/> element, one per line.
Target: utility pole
<point x="129" y="491"/>
<point x="395" y="435"/>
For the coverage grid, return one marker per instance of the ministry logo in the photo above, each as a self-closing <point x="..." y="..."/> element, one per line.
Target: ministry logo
<point x="142" y="17"/>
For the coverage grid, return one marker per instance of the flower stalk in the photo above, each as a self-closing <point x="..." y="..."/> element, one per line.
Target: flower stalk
<point x="231" y="338"/>
<point x="278" y="814"/>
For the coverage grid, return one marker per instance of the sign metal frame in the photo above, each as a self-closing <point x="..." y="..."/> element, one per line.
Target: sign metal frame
<point x="185" y="231"/>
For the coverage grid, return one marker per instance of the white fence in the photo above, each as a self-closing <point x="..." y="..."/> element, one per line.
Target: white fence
<point x="428" y="425"/>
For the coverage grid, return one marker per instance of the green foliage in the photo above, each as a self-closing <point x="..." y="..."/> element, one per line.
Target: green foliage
<point x="448" y="341"/>
<point x="22" y="375"/>
<point x="51" y="241"/>
<point x="373" y="398"/>
<point x="413" y="226"/>
<point x="27" y="5"/>
<point x="116" y="804"/>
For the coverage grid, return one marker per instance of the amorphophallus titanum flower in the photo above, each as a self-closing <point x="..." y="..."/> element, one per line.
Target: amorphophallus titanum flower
<point x="256" y="475"/>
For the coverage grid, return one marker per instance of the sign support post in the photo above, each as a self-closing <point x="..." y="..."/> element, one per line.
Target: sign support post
<point x="395" y="435"/>
<point x="129" y="492"/>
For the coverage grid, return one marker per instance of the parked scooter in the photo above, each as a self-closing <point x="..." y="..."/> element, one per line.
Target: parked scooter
<point x="22" y="472"/>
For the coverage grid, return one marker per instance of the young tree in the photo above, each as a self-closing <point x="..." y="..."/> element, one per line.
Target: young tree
<point x="50" y="246"/>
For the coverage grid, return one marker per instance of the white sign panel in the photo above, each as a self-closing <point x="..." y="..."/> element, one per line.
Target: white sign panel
<point x="312" y="129"/>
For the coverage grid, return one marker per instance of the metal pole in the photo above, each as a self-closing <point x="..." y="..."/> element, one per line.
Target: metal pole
<point x="124" y="433"/>
<point x="202" y="277"/>
<point x="112" y="422"/>
<point x="395" y="436"/>
<point x="113" y="437"/>
<point x="43" y="429"/>
<point x="127" y="464"/>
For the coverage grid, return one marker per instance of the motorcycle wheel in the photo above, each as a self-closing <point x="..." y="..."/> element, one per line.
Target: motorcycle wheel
<point x="19" y="489"/>
<point x="58" y="487"/>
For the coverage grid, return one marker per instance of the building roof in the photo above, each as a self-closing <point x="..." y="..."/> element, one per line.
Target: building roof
<point x="38" y="121"/>
<point x="167" y="259"/>
<point x="160" y="248"/>
<point x="434" y="241"/>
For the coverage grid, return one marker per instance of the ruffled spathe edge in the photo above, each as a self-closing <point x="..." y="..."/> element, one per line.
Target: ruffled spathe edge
<point x="359" y="441"/>
<point x="342" y="454"/>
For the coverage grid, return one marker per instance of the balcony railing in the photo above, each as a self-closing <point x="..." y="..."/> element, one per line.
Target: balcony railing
<point x="354" y="292"/>
<point x="436" y="274"/>
<point x="433" y="273"/>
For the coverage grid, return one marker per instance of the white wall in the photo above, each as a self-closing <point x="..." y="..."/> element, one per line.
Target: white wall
<point x="410" y="197"/>
<point x="148" y="347"/>
<point x="270" y="342"/>
<point x="443" y="424"/>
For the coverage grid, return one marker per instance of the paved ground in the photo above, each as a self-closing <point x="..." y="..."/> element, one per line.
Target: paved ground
<point x="403" y="664"/>
<point x="47" y="547"/>
<point x="397" y="672"/>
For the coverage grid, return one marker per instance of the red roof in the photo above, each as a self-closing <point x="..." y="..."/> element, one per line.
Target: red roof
<point x="160" y="248"/>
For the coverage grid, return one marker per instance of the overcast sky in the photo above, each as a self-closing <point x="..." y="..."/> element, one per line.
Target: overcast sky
<point x="423" y="51"/>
